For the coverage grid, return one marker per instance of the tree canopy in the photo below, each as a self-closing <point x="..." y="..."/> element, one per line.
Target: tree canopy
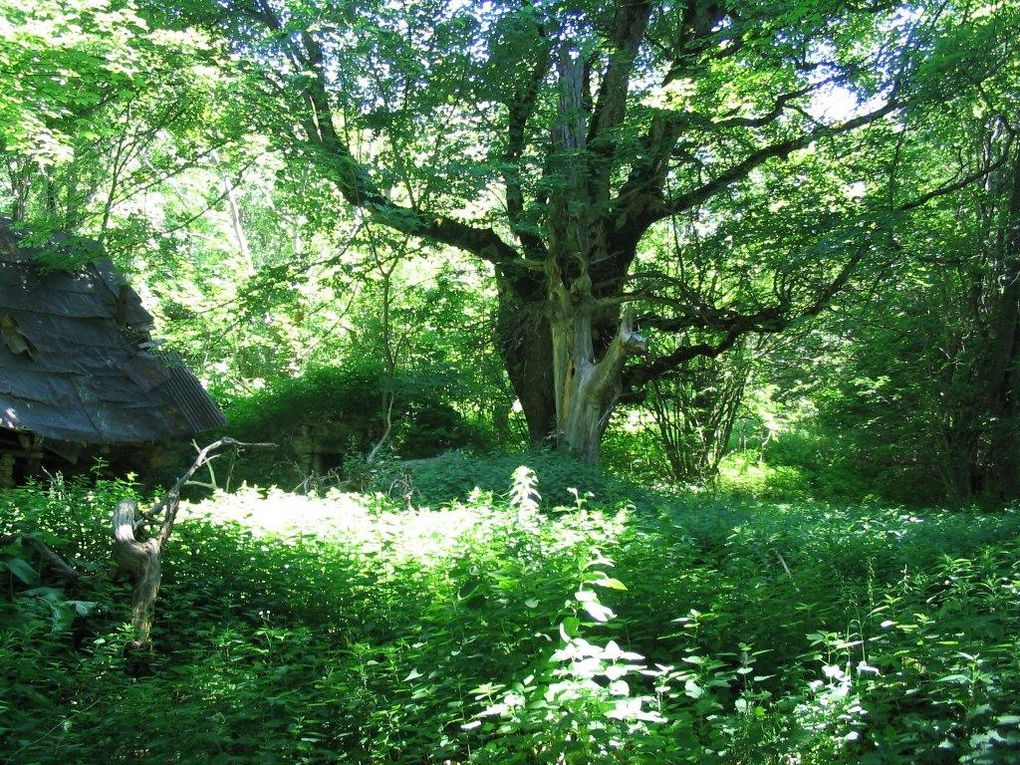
<point x="555" y="141"/>
<point x="646" y="184"/>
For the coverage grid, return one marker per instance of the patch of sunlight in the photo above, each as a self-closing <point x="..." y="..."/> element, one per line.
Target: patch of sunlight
<point x="341" y="517"/>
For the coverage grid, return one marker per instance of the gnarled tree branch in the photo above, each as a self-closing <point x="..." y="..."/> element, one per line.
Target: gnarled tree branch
<point x="352" y="179"/>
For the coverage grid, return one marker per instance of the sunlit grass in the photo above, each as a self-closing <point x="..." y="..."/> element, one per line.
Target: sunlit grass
<point x="357" y="520"/>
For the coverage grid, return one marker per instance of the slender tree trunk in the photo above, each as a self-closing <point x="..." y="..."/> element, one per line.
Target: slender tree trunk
<point x="21" y="175"/>
<point x="386" y="271"/>
<point x="142" y="561"/>
<point x="236" y="220"/>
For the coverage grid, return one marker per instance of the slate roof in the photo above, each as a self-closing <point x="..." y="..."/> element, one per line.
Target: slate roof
<point x="77" y="362"/>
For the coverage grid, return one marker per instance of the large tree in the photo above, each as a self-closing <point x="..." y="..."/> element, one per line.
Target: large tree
<point x="548" y="138"/>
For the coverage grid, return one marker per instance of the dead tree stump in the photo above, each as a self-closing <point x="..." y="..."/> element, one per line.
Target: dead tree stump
<point x="141" y="561"/>
<point x="140" y="558"/>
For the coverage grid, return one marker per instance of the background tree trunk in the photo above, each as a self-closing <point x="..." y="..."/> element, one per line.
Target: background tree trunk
<point x="999" y="466"/>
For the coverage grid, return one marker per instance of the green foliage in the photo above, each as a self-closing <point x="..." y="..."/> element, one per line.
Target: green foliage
<point x="330" y="394"/>
<point x="43" y="621"/>
<point x="96" y="107"/>
<point x="348" y="628"/>
<point x="635" y="453"/>
<point x="455" y="475"/>
<point x="339" y="414"/>
<point x="804" y="462"/>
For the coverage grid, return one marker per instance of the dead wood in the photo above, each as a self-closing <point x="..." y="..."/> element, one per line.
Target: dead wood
<point x="139" y="553"/>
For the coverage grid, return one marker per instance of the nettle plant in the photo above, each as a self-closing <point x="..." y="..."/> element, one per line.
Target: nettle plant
<point x="584" y="703"/>
<point x="594" y="701"/>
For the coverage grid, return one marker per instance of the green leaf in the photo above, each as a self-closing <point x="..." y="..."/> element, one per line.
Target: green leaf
<point x="956" y="678"/>
<point x="22" y="569"/>
<point x="83" y="607"/>
<point x="569" y="628"/>
<point x="610" y="583"/>
<point x="692" y="689"/>
<point x="598" y="612"/>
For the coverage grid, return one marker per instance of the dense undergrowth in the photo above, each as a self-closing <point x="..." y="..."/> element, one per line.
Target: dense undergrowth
<point x="501" y="629"/>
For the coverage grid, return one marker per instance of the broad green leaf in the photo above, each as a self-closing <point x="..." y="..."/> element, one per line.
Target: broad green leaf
<point x="22" y="569"/>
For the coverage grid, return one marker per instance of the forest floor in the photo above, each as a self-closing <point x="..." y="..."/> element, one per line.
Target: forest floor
<point x="353" y="628"/>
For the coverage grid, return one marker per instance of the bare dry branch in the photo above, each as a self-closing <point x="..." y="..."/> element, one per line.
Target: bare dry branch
<point x="54" y="560"/>
<point x="141" y="559"/>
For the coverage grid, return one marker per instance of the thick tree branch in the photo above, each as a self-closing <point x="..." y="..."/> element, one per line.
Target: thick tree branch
<point x="767" y="320"/>
<point x="781" y="150"/>
<point x="351" y="178"/>
<point x="626" y="343"/>
<point x="640" y="202"/>
<point x="957" y="185"/>
<point x="521" y="110"/>
<point x="782" y="101"/>
<point x="643" y="188"/>
<point x="570" y="216"/>
<point x="628" y="29"/>
<point x="694" y="35"/>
